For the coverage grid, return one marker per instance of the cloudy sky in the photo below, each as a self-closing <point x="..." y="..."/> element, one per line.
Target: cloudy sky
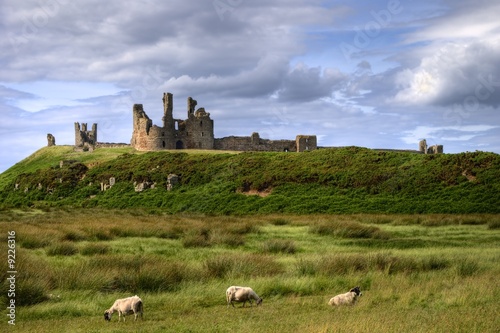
<point x="370" y="73"/>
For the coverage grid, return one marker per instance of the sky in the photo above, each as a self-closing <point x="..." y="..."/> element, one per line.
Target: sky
<point x="369" y="73"/>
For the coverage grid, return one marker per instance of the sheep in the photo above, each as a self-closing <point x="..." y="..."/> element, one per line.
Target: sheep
<point x="242" y="294"/>
<point x="124" y="307"/>
<point x="349" y="298"/>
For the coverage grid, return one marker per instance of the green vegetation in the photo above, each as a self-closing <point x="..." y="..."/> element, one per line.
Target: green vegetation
<point x="418" y="273"/>
<point x="337" y="181"/>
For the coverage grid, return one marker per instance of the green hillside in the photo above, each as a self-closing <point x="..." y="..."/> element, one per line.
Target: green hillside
<point x="336" y="180"/>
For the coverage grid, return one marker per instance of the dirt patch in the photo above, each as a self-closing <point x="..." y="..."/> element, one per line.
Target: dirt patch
<point x="469" y="176"/>
<point x="263" y="193"/>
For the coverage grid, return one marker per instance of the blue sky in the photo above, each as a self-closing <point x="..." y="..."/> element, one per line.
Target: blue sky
<point x="377" y="74"/>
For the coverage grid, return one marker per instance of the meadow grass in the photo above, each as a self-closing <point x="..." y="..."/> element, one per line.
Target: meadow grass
<point x="418" y="273"/>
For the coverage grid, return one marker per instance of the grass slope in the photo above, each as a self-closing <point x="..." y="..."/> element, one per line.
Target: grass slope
<point x="342" y="180"/>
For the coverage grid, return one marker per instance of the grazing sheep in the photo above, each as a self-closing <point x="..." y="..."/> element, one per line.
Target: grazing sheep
<point x="242" y="294"/>
<point x="349" y="298"/>
<point x="124" y="307"/>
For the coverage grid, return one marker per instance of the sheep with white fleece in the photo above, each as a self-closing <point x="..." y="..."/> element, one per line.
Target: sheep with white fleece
<point x="349" y="298"/>
<point x="242" y="294"/>
<point x="125" y="306"/>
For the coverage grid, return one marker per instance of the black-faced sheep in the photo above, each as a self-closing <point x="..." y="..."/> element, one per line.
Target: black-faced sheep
<point x="242" y="294"/>
<point x="125" y="306"/>
<point x="349" y="298"/>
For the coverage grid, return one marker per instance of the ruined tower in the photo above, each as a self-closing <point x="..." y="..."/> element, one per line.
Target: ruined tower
<point x="306" y="143"/>
<point x="84" y="138"/>
<point x="197" y="131"/>
<point x="51" y="140"/>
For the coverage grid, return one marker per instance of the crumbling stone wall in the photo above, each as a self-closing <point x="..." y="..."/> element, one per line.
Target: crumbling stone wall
<point x="424" y="149"/>
<point x="255" y="143"/>
<point x="436" y="149"/>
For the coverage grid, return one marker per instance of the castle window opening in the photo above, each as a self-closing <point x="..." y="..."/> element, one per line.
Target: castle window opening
<point x="201" y="123"/>
<point x="163" y="144"/>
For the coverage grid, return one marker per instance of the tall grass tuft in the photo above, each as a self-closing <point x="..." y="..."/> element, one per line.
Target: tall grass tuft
<point x="494" y="224"/>
<point x="236" y="266"/>
<point x="347" y="229"/>
<point x="92" y="249"/>
<point x="62" y="249"/>
<point x="31" y="292"/>
<point x="279" y="246"/>
<point x="466" y="267"/>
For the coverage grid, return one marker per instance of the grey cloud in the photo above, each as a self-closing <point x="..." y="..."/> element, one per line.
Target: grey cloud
<point x="305" y="84"/>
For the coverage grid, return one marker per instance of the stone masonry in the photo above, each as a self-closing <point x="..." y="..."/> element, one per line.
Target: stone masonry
<point x="85" y="139"/>
<point x="197" y="132"/>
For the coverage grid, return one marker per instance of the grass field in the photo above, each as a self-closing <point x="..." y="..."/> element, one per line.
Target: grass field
<point x="418" y="273"/>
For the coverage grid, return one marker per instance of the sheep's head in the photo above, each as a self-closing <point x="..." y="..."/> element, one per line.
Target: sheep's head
<point x="259" y="301"/>
<point x="107" y="315"/>
<point x="356" y="290"/>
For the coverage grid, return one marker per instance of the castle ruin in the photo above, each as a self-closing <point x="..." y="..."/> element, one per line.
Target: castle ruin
<point x="85" y="139"/>
<point x="424" y="149"/>
<point x="197" y="132"/>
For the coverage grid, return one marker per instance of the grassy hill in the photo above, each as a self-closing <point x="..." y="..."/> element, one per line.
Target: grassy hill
<point x="337" y="180"/>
